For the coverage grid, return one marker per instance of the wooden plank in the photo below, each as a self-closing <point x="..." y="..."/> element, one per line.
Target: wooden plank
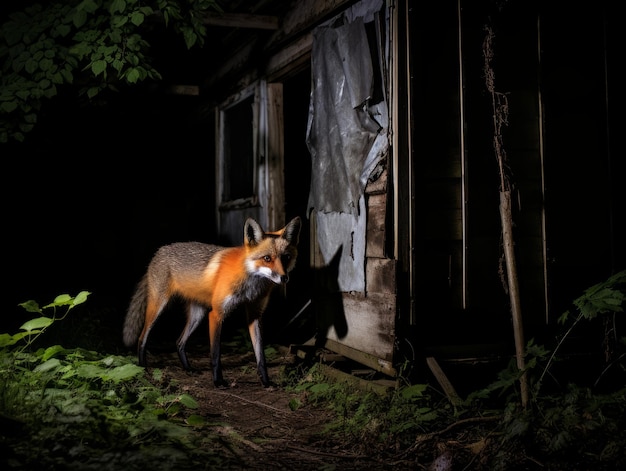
<point x="379" y="387"/>
<point x="364" y="358"/>
<point x="241" y="20"/>
<point x="380" y="276"/>
<point x="292" y="40"/>
<point x="376" y="213"/>
<point x="275" y="157"/>
<point x="367" y="325"/>
<point x="443" y="381"/>
<point x="190" y="90"/>
<point x="295" y="55"/>
<point x="304" y="15"/>
<point x="377" y="186"/>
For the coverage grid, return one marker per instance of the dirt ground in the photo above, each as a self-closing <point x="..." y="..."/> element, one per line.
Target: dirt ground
<point x="267" y="433"/>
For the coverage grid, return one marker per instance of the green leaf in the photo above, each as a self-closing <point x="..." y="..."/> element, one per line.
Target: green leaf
<point x="320" y="387"/>
<point x="13" y="339"/>
<point x="413" y="391"/>
<point x="31" y="65"/>
<point x="90" y="6"/>
<point x="90" y="370"/>
<point x="117" y="6"/>
<point x="61" y="300"/>
<point x="98" y="67"/>
<point x="132" y="76"/>
<point x="49" y="365"/>
<point x="30" y="306"/>
<point x="117" y="65"/>
<point x="37" y="323"/>
<point x="63" y="30"/>
<point x="190" y="37"/>
<point x="157" y="374"/>
<point x="119" y="21"/>
<point x="7" y="340"/>
<point x="79" y="18"/>
<point x="124" y="372"/>
<point x="136" y="18"/>
<point x="116" y="35"/>
<point x="195" y="420"/>
<point x="8" y="106"/>
<point x="45" y="64"/>
<point x="52" y="351"/>
<point x="93" y="91"/>
<point x="67" y="75"/>
<point x="81" y="297"/>
<point x="188" y="401"/>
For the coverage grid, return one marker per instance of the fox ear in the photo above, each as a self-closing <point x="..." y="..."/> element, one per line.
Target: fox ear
<point x="291" y="232"/>
<point x="252" y="232"/>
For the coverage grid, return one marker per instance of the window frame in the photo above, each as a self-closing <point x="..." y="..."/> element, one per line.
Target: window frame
<point x="223" y="144"/>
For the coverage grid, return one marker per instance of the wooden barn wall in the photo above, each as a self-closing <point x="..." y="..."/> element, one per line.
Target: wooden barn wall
<point x="362" y="326"/>
<point x="441" y="181"/>
<point x="554" y="64"/>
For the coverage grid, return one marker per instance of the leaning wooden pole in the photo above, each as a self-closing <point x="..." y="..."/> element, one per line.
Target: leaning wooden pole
<point x="500" y="118"/>
<point x="514" y="295"/>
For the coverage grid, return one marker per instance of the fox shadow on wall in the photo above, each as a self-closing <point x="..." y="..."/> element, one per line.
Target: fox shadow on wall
<point x="324" y="310"/>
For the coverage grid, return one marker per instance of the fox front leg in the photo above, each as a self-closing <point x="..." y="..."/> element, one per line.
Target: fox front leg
<point x="215" y="333"/>
<point x="254" y="326"/>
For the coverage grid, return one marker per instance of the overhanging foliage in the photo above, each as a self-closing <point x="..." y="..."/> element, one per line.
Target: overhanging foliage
<point x="87" y="45"/>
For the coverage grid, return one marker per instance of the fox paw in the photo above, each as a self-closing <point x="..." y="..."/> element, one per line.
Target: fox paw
<point x="269" y="385"/>
<point x="221" y="384"/>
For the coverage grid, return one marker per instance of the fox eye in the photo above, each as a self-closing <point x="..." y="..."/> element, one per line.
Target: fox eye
<point x="267" y="258"/>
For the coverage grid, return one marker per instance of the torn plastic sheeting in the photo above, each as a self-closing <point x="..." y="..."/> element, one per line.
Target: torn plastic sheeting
<point x="344" y="231"/>
<point x="340" y="131"/>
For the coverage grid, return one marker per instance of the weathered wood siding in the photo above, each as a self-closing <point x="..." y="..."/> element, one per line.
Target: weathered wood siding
<point x="363" y="328"/>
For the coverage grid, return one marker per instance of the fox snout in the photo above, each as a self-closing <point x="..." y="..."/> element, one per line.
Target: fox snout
<point x="276" y="277"/>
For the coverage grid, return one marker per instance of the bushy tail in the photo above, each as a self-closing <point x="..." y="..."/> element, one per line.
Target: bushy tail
<point x="135" y="314"/>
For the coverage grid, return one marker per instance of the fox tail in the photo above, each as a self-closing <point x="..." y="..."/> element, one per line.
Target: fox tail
<point x="135" y="315"/>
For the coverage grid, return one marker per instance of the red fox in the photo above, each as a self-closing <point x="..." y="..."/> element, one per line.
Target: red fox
<point x="217" y="280"/>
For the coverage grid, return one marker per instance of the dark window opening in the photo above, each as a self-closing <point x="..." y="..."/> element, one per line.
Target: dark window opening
<point x="238" y="159"/>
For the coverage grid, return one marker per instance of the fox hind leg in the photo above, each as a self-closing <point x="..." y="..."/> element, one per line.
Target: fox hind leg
<point x="153" y="311"/>
<point x="195" y="314"/>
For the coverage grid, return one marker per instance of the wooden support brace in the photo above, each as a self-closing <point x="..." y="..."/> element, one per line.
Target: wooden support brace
<point x="443" y="381"/>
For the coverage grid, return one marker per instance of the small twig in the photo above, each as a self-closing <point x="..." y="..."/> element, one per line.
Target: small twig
<point x="250" y="401"/>
<point x="429" y="436"/>
<point x="326" y="453"/>
<point x="551" y="359"/>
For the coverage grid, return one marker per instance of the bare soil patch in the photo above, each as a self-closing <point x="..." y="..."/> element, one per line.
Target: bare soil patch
<point x="260" y="428"/>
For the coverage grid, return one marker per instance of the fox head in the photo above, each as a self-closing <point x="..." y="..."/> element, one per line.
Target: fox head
<point x="271" y="254"/>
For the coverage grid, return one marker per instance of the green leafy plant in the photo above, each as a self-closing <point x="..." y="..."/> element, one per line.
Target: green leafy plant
<point x="574" y="421"/>
<point x="37" y="326"/>
<point x="366" y="419"/>
<point x="95" y="407"/>
<point x="602" y="299"/>
<point x="94" y="45"/>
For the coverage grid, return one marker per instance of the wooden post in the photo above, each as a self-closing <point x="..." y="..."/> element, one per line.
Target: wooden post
<point x="500" y="106"/>
<point x="514" y="295"/>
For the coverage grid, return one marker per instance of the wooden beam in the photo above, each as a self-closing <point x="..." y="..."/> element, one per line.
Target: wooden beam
<point x="443" y="381"/>
<point x="192" y="90"/>
<point x="241" y="20"/>
<point x="380" y="387"/>
<point x="364" y="358"/>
